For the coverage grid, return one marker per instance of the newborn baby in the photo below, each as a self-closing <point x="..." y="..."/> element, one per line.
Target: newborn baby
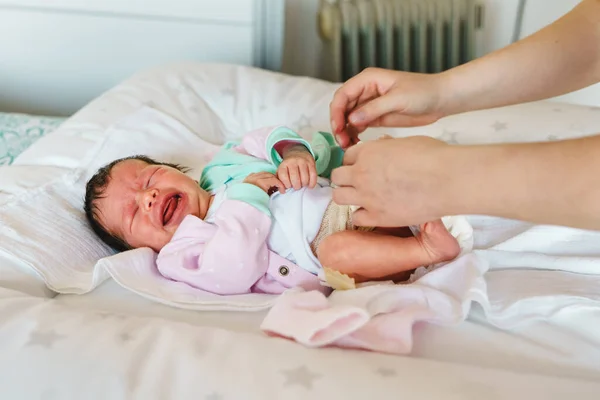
<point x="260" y="219"/>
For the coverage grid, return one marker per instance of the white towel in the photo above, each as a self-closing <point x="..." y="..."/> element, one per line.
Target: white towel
<point x="381" y="317"/>
<point x="516" y="272"/>
<point x="536" y="270"/>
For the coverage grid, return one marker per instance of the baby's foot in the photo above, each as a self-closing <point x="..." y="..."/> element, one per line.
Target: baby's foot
<point x="438" y="242"/>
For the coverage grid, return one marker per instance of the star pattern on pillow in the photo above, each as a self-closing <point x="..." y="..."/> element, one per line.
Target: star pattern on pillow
<point x="301" y="376"/>
<point x="302" y="123"/>
<point x="386" y="372"/>
<point x="126" y="337"/>
<point x="45" y="339"/>
<point x="449" y="136"/>
<point x="499" y="126"/>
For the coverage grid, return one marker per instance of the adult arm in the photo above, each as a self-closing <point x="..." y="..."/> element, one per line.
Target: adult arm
<point x="562" y="57"/>
<point x="550" y="183"/>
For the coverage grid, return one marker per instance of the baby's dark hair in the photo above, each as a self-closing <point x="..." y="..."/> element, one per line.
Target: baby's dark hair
<point x="94" y="190"/>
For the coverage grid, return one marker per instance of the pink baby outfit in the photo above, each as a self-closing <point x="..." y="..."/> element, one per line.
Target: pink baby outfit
<point x="228" y="254"/>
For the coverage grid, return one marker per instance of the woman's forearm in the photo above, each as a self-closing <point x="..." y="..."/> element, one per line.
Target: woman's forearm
<point x="562" y="57"/>
<point x="551" y="183"/>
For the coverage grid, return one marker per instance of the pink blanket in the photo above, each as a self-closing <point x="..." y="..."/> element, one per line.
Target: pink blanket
<point x="380" y="317"/>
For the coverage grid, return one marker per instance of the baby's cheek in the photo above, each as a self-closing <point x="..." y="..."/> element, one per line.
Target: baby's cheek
<point x="168" y="235"/>
<point x="159" y="238"/>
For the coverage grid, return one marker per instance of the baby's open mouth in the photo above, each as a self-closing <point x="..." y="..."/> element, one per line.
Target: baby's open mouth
<point x="170" y="208"/>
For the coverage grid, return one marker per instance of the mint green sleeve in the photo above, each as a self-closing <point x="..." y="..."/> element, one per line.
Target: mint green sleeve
<point x="323" y="147"/>
<point x="328" y="154"/>
<point x="250" y="194"/>
<point x="283" y="134"/>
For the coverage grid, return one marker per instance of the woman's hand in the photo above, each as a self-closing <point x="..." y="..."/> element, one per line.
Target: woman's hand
<point x="380" y="97"/>
<point x="396" y="182"/>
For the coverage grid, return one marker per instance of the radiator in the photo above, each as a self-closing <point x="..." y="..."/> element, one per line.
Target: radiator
<point x="410" y="35"/>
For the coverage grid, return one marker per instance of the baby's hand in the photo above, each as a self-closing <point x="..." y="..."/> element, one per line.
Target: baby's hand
<point x="266" y="181"/>
<point x="298" y="168"/>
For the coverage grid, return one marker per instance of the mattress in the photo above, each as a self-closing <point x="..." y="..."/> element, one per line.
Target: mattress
<point x="113" y="343"/>
<point x="19" y="131"/>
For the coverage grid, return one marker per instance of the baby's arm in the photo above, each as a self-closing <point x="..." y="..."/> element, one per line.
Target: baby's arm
<point x="270" y="143"/>
<point x="299" y="162"/>
<point x="288" y="151"/>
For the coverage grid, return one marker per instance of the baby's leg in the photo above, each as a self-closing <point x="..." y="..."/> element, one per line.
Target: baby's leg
<point x="375" y="255"/>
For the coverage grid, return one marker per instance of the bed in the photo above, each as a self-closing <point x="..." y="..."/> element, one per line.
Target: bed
<point x="107" y="342"/>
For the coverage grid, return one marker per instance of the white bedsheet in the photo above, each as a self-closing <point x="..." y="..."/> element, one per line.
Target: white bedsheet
<point x="115" y="344"/>
<point x="112" y="344"/>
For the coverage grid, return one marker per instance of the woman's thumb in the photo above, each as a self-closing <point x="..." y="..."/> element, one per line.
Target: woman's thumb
<point x="373" y="110"/>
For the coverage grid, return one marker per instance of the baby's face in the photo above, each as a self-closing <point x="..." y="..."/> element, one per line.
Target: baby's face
<point x="144" y="204"/>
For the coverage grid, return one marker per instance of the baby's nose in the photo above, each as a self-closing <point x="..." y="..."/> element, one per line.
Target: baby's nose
<point x="149" y="199"/>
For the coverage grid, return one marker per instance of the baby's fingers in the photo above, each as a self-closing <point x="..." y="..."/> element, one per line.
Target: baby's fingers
<point x="312" y="175"/>
<point x="305" y="174"/>
<point x="284" y="176"/>
<point x="295" y="176"/>
<point x="274" y="182"/>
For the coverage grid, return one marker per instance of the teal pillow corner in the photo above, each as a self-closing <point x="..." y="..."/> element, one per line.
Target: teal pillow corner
<point x="19" y="131"/>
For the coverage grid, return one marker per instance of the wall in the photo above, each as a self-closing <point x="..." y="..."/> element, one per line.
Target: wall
<point x="499" y="24"/>
<point x="55" y="56"/>
<point x="303" y="46"/>
<point x="540" y="13"/>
